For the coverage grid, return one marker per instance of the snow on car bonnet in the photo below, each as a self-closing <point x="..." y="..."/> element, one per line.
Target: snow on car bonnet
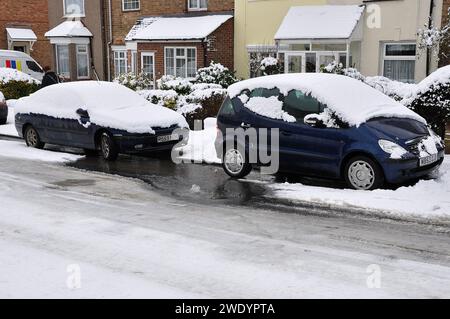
<point x="351" y="100"/>
<point x="108" y="104"/>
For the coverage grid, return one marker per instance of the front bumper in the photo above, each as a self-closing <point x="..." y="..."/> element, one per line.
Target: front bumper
<point x="135" y="144"/>
<point x="399" y="171"/>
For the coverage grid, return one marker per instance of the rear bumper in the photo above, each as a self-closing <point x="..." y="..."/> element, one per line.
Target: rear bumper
<point x="399" y="171"/>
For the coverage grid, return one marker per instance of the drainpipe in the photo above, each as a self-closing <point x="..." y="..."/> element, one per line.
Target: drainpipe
<point x="108" y="46"/>
<point x="430" y="23"/>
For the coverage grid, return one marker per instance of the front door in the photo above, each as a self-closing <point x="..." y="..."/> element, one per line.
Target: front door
<point x="295" y="63"/>
<point x="148" y="65"/>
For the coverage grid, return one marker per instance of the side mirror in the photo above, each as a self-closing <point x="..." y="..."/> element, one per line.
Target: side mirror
<point x="83" y="113"/>
<point x="313" y="120"/>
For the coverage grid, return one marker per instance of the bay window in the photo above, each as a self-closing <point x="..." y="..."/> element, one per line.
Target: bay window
<point x="82" y="61"/>
<point x="399" y="61"/>
<point x="181" y="62"/>
<point x="74" y="8"/>
<point x="62" y="60"/>
<point x="197" y="5"/>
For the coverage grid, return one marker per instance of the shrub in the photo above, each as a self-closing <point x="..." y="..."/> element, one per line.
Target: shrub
<point x="179" y="85"/>
<point x="135" y="82"/>
<point x="14" y="90"/>
<point x="270" y="66"/>
<point x="216" y="73"/>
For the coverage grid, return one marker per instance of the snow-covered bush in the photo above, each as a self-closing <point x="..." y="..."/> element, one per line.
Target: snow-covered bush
<point x="394" y="89"/>
<point x="180" y="85"/>
<point x="338" y="68"/>
<point x="216" y="73"/>
<point x="270" y="66"/>
<point x="15" y="84"/>
<point x="432" y="38"/>
<point x="135" y="82"/>
<point x="167" y="98"/>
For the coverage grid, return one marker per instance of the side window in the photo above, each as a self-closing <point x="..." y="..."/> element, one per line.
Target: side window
<point x="227" y="107"/>
<point x="299" y="105"/>
<point x="33" y="66"/>
<point x="261" y="92"/>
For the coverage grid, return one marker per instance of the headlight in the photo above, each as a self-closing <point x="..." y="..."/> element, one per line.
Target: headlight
<point x="395" y="150"/>
<point x="436" y="137"/>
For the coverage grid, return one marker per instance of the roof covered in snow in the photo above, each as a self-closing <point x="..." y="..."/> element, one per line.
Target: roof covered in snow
<point x="353" y="101"/>
<point x="140" y="25"/>
<point x="178" y="28"/>
<point x="69" y="29"/>
<point x="21" y="34"/>
<point x="320" y="22"/>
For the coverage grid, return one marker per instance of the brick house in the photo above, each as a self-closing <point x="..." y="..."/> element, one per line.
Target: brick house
<point x="22" y="27"/>
<point x="76" y="33"/>
<point x="168" y="37"/>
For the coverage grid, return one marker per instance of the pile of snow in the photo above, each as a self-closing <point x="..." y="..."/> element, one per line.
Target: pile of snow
<point x="320" y="22"/>
<point x="200" y="148"/>
<point x="351" y="100"/>
<point x="269" y="61"/>
<point x="270" y="107"/>
<point x="428" y="199"/>
<point x="9" y="129"/>
<point x="69" y="28"/>
<point x="7" y="75"/>
<point x="109" y="105"/>
<point x="181" y="28"/>
<point x="14" y="149"/>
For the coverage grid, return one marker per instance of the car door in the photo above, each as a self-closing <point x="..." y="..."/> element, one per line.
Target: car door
<point x="312" y="149"/>
<point x="80" y="130"/>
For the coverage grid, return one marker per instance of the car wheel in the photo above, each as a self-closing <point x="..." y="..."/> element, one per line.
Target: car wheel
<point x="108" y="147"/>
<point x="235" y="163"/>
<point x="32" y="138"/>
<point x="363" y="173"/>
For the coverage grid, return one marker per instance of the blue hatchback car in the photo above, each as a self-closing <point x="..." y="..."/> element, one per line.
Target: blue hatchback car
<point x="328" y="126"/>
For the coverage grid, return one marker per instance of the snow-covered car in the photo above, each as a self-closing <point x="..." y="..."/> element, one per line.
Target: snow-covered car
<point x="329" y="126"/>
<point x="3" y="110"/>
<point x="97" y="116"/>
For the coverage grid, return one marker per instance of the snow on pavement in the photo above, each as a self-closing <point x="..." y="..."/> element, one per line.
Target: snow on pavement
<point x="9" y="129"/>
<point x="429" y="199"/>
<point x="20" y="150"/>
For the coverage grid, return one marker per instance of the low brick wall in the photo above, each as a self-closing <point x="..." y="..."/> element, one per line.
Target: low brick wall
<point x="447" y="139"/>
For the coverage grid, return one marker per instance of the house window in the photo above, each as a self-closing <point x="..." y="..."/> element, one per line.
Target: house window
<point x="120" y="62"/>
<point x="134" y="62"/>
<point x="62" y="60"/>
<point x="131" y="5"/>
<point x="74" y="8"/>
<point x="181" y="62"/>
<point x="399" y="61"/>
<point x="82" y="61"/>
<point x="195" y="5"/>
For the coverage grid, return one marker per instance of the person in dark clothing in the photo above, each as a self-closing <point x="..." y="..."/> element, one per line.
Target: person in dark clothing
<point x="50" y="78"/>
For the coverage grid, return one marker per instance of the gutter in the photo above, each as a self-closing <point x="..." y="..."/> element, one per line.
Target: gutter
<point x="430" y="23"/>
<point x="108" y="44"/>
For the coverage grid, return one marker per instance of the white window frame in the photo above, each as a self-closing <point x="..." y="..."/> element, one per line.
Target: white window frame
<point x="197" y="8"/>
<point x="134" y="62"/>
<point x="147" y="54"/>
<point x="88" y="76"/>
<point x="66" y="75"/>
<point x="175" y="57"/>
<point x="128" y="10"/>
<point x="77" y="15"/>
<point x="125" y="59"/>
<point x="397" y="57"/>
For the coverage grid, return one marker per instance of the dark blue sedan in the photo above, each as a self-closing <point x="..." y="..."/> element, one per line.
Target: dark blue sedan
<point x="97" y="116"/>
<point x="328" y="126"/>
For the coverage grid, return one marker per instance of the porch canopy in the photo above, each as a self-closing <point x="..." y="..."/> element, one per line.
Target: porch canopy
<point x="69" y="32"/>
<point x="327" y="31"/>
<point x="21" y="35"/>
<point x="176" y="28"/>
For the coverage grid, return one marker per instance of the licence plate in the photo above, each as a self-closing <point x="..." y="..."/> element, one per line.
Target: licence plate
<point x="167" y="138"/>
<point x="428" y="160"/>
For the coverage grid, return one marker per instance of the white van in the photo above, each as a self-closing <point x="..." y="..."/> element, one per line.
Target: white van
<point x="22" y="62"/>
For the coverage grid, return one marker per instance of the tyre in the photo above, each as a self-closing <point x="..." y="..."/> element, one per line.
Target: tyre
<point x="3" y="121"/>
<point x="32" y="138"/>
<point x="363" y="173"/>
<point x="235" y="163"/>
<point x="108" y="147"/>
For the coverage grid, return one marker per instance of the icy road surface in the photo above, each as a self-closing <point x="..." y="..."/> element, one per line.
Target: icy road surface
<point x="107" y="236"/>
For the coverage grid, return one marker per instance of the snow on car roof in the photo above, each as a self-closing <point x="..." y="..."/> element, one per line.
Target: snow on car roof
<point x="320" y="22"/>
<point x="353" y="101"/>
<point x="109" y="105"/>
<point x="181" y="28"/>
